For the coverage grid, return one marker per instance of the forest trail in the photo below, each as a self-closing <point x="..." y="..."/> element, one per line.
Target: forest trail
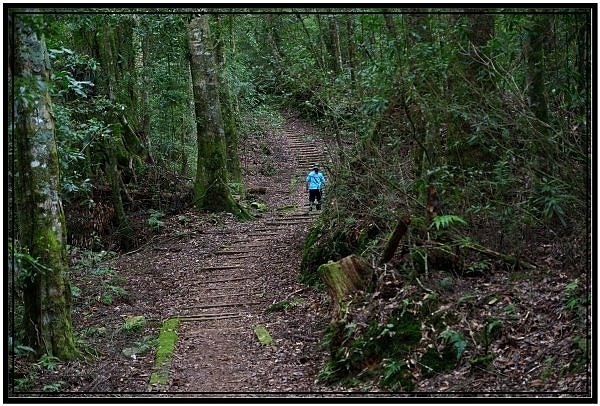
<point x="250" y="279"/>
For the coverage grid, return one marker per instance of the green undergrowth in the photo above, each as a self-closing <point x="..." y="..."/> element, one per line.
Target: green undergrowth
<point x="331" y="239"/>
<point x="377" y="351"/>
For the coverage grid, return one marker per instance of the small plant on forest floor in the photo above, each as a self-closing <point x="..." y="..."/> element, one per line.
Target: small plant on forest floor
<point x="154" y="219"/>
<point x="92" y="259"/>
<point x="446" y="284"/>
<point x="54" y="387"/>
<point x="489" y="333"/>
<point x="397" y="376"/>
<point x="104" y="271"/>
<point x="329" y="373"/>
<point x="510" y="310"/>
<point x="141" y="347"/>
<point x="48" y="362"/>
<point x="477" y="268"/>
<point x="27" y="382"/>
<point x="19" y="349"/>
<point x="574" y="296"/>
<point x="93" y="331"/>
<point x="482" y="361"/>
<point x="183" y="220"/>
<point x="284" y="305"/>
<point x="455" y="342"/>
<point x="133" y="323"/>
<point x="551" y="198"/>
<point x="112" y="293"/>
<point x="267" y="169"/>
<point x="548" y="371"/>
<point x="468" y="297"/>
<point x="581" y="353"/>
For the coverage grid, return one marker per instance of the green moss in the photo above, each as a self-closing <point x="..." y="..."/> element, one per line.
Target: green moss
<point x="164" y="352"/>
<point x="263" y="335"/>
<point x="291" y="208"/>
<point x="333" y="271"/>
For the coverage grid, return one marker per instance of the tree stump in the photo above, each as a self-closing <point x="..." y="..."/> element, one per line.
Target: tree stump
<point x="346" y="279"/>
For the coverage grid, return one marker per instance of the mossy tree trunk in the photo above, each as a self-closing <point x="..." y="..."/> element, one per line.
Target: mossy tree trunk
<point x="230" y="124"/>
<point x="210" y="189"/>
<point x="333" y="44"/>
<point x="125" y="231"/>
<point x="108" y="60"/>
<point x="41" y="223"/>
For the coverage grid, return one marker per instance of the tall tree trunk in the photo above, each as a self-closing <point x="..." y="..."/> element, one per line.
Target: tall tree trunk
<point x="351" y="48"/>
<point x="480" y="30"/>
<point x="108" y="59"/>
<point x="469" y="80"/>
<point x="534" y="52"/>
<point x="537" y="33"/>
<point x="46" y="292"/>
<point x="211" y="190"/>
<point x="125" y="231"/>
<point x="142" y="58"/>
<point x="334" y="41"/>
<point x="230" y="125"/>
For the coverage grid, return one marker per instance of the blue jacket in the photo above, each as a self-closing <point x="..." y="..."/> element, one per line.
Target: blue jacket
<point x="315" y="180"/>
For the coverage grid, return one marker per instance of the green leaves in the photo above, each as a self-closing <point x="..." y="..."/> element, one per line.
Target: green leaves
<point x="445" y="221"/>
<point x="552" y="197"/>
<point x="456" y="341"/>
<point x="154" y="220"/>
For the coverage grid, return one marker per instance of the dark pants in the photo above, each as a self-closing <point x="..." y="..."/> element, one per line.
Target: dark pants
<point x="315" y="194"/>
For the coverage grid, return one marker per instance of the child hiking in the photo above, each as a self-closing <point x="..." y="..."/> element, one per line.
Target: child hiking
<point x="314" y="186"/>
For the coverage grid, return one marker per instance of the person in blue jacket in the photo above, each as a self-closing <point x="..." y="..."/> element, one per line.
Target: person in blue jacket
<point x="314" y="186"/>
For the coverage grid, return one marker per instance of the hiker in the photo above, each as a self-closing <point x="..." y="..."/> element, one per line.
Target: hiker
<point x="314" y="186"/>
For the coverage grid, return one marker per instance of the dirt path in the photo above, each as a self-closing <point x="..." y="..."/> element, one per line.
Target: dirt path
<point x="225" y="292"/>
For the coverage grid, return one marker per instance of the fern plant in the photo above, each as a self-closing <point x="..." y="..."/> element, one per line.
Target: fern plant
<point x="154" y="220"/>
<point x="572" y="295"/>
<point x="396" y="376"/>
<point x="456" y="341"/>
<point x="446" y="221"/>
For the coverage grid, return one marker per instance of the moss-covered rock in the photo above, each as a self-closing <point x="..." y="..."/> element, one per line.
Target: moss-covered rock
<point x="164" y="352"/>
